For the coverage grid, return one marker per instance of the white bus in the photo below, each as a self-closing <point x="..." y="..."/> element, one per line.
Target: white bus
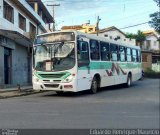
<point x="75" y="61"/>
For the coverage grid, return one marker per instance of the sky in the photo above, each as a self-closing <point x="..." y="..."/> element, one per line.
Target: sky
<point x="118" y="13"/>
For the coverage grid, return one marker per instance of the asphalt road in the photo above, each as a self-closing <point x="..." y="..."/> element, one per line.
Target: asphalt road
<point x="112" y="107"/>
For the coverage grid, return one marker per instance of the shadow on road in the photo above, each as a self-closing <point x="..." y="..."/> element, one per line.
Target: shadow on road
<point x="87" y="92"/>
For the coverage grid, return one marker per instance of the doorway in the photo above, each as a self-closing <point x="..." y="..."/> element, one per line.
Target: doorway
<point x="7" y="66"/>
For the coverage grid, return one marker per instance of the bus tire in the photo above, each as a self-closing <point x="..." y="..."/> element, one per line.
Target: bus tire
<point x="129" y="80"/>
<point x="94" y="86"/>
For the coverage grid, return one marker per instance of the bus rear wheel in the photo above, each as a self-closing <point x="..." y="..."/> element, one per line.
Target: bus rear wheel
<point x="129" y="80"/>
<point x="94" y="86"/>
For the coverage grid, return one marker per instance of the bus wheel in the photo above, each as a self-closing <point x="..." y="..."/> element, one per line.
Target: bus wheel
<point x="59" y="92"/>
<point x="129" y="80"/>
<point x="94" y="86"/>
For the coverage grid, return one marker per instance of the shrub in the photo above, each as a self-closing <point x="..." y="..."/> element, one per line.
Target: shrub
<point x="151" y="73"/>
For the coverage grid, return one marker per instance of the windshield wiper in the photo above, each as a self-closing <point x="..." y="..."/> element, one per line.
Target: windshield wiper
<point x="56" y="48"/>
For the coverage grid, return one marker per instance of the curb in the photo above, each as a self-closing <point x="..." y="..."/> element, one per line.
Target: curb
<point x="16" y="93"/>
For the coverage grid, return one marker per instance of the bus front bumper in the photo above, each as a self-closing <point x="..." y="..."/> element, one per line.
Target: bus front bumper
<point x="55" y="86"/>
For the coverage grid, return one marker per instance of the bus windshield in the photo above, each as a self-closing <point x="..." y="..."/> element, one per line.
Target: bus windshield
<point x="55" y="56"/>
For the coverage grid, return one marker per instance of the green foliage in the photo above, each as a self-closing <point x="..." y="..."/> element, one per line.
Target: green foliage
<point x="140" y="37"/>
<point x="155" y="18"/>
<point x="151" y="73"/>
<point x="131" y="35"/>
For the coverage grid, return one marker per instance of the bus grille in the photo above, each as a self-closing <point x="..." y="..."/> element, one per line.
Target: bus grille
<point x="51" y="75"/>
<point x="51" y="85"/>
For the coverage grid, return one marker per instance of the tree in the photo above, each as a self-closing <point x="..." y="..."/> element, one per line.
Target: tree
<point x="155" y="18"/>
<point x="139" y="37"/>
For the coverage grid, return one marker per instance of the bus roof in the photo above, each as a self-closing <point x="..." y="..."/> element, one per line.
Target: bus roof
<point x="92" y="36"/>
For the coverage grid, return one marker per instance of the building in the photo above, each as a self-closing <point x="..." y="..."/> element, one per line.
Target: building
<point x="113" y="33"/>
<point x="86" y="28"/>
<point x="150" y="49"/>
<point x="20" y="21"/>
<point x="151" y="43"/>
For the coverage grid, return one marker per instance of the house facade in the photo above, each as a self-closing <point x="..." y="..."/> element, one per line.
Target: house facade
<point x="113" y="33"/>
<point x="150" y="50"/>
<point x="20" y="21"/>
<point x="151" y="43"/>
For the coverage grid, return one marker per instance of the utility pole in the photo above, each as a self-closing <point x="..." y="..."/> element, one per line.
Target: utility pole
<point x="97" y="25"/>
<point x="53" y="5"/>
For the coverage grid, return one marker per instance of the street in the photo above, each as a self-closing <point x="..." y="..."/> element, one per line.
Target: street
<point x="112" y="107"/>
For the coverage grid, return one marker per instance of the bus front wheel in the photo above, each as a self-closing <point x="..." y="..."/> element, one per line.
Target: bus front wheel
<point x="94" y="86"/>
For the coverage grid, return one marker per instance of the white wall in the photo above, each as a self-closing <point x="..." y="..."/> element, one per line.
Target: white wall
<point x="5" y="24"/>
<point x="114" y="33"/>
<point x="154" y="44"/>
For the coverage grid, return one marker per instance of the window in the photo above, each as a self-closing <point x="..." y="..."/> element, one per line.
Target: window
<point x="114" y="52"/>
<point x="144" y="57"/>
<point x="129" y="56"/>
<point x="138" y="56"/>
<point x="8" y="12"/>
<point x="122" y="53"/>
<point x="22" y="22"/>
<point x="32" y="31"/>
<point x="105" y="53"/>
<point x="82" y="53"/>
<point x="148" y="44"/>
<point x="134" y="55"/>
<point x="94" y="49"/>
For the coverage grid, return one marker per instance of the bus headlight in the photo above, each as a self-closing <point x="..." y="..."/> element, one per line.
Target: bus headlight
<point x="35" y="79"/>
<point x="68" y="79"/>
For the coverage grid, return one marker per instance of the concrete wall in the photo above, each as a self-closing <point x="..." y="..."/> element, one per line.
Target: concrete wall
<point x="146" y="60"/>
<point x="1" y="67"/>
<point x="19" y="65"/>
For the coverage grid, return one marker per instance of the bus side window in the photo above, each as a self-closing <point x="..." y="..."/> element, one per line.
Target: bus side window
<point x="139" y="56"/>
<point x="114" y="52"/>
<point x="105" y="53"/>
<point x="94" y="50"/>
<point x="129" y="56"/>
<point x="83" y="53"/>
<point x="134" y="55"/>
<point x="122" y="53"/>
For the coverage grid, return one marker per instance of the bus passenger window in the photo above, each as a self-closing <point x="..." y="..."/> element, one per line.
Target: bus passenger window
<point x="129" y="56"/>
<point x="134" y="55"/>
<point x="94" y="50"/>
<point x="114" y="52"/>
<point x="122" y="53"/>
<point x="105" y="54"/>
<point x="82" y="53"/>
<point x="138" y="56"/>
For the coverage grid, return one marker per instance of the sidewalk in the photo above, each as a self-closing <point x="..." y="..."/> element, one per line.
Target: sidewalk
<point x="14" y="92"/>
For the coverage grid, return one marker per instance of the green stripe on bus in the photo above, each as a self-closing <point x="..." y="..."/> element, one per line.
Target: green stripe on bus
<point x="108" y="65"/>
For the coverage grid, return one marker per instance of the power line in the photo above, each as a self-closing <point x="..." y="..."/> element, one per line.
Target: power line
<point x="133" y="25"/>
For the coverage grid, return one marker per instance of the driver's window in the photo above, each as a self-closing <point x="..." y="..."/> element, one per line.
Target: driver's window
<point x="83" y="53"/>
